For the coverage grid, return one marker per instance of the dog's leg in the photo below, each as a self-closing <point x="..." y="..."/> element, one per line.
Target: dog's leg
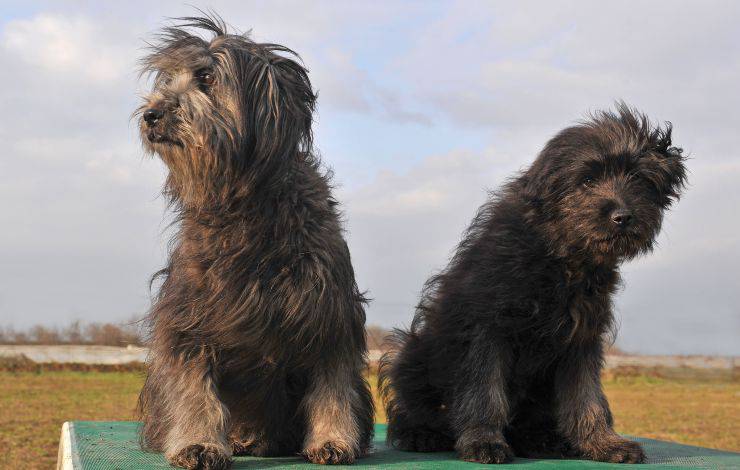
<point x="338" y="411"/>
<point x="197" y="417"/>
<point x="274" y="427"/>
<point x="416" y="414"/>
<point x="481" y="407"/>
<point x="583" y="412"/>
<point x="261" y="444"/>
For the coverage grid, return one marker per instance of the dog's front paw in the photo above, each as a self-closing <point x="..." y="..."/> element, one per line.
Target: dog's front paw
<point x="616" y="450"/>
<point x="486" y="451"/>
<point x="201" y="457"/>
<point x="330" y="453"/>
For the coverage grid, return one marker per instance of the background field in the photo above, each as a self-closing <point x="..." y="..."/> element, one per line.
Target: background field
<point x="33" y="405"/>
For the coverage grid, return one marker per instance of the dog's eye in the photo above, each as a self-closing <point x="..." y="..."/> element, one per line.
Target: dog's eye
<point x="586" y="182"/>
<point x="205" y="77"/>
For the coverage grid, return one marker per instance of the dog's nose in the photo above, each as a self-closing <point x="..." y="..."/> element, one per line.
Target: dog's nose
<point x="622" y="217"/>
<point x="152" y="115"/>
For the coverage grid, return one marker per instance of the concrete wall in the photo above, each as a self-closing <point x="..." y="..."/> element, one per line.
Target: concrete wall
<point x="115" y="355"/>
<point x="694" y="362"/>
<point x="77" y="353"/>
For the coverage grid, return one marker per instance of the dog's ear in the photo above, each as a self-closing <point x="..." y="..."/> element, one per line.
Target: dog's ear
<point x="281" y="104"/>
<point x="532" y="183"/>
<point x="538" y="180"/>
<point x="668" y="171"/>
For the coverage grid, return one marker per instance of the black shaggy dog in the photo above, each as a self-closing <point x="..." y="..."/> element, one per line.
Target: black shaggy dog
<point x="257" y="343"/>
<point x="504" y="354"/>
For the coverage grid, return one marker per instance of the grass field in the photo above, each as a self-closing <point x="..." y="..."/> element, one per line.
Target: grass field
<point x="33" y="407"/>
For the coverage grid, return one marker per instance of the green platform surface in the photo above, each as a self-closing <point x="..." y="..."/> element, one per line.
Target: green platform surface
<point x="114" y="445"/>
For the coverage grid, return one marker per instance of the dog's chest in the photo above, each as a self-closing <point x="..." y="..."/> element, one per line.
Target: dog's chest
<point x="587" y="309"/>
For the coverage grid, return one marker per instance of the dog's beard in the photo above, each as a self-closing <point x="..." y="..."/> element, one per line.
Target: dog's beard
<point x="197" y="143"/>
<point x="582" y="226"/>
<point x="615" y="245"/>
<point x="622" y="246"/>
<point x="194" y="169"/>
<point x="160" y="140"/>
<point x="602" y="244"/>
<point x="179" y="128"/>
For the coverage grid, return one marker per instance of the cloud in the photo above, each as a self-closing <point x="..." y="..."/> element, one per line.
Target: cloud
<point x="422" y="109"/>
<point x="404" y="225"/>
<point x="344" y="86"/>
<point x="340" y="83"/>
<point x="71" y="171"/>
<point x="521" y="77"/>
<point x="83" y="216"/>
<point x="530" y="65"/>
<point x="435" y="184"/>
<point x="60" y="45"/>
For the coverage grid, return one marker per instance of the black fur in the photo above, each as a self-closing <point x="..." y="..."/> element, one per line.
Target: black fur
<point x="258" y="343"/>
<point x="505" y="350"/>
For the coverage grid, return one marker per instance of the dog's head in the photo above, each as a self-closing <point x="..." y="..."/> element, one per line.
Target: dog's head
<point x="222" y="107"/>
<point x="603" y="186"/>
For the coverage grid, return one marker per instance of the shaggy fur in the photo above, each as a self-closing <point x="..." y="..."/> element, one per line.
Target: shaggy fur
<point x="505" y="351"/>
<point x="257" y="343"/>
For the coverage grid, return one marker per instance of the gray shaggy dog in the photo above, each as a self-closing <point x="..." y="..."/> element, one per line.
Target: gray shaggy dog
<point x="257" y="332"/>
<point x="504" y="354"/>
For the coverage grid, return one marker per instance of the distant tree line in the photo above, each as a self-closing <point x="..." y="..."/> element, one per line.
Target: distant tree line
<point x="77" y="332"/>
<point x="123" y="334"/>
<point x="376" y="337"/>
<point x="115" y="334"/>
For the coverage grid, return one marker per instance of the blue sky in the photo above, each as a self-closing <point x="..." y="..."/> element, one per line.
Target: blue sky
<point x="423" y="107"/>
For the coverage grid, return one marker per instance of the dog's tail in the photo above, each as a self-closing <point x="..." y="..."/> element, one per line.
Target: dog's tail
<point x="392" y="344"/>
<point x="392" y="375"/>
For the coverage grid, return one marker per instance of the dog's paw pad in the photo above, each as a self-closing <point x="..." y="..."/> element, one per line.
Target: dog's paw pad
<point x="487" y="452"/>
<point x="201" y="457"/>
<point x="625" y="452"/>
<point x="331" y="453"/>
<point x="615" y="451"/>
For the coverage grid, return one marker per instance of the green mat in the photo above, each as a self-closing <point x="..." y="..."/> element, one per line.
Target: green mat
<point x="92" y="445"/>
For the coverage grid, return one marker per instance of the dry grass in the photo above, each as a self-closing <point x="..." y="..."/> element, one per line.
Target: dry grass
<point x="33" y="406"/>
<point x="703" y="413"/>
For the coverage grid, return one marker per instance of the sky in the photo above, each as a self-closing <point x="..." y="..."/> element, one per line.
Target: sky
<point x="423" y="108"/>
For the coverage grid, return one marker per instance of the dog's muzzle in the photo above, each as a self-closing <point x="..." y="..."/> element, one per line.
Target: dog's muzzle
<point x="152" y="116"/>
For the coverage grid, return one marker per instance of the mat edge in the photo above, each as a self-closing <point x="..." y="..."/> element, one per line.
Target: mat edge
<point x="65" y="459"/>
